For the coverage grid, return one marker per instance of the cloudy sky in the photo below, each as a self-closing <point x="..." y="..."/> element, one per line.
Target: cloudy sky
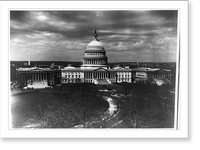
<point x="127" y="36"/>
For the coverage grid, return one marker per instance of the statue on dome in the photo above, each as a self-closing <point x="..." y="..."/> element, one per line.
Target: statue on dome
<point x="95" y="31"/>
<point x="95" y="34"/>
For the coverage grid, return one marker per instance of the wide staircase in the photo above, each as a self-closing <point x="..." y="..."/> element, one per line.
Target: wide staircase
<point x="103" y="82"/>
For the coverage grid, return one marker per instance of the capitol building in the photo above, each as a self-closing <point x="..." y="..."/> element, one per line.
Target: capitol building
<point x="94" y="69"/>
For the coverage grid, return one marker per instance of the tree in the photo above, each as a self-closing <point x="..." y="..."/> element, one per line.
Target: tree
<point x="22" y="85"/>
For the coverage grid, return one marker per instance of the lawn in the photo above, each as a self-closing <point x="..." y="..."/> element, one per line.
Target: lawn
<point x="56" y="108"/>
<point x="152" y="106"/>
<point x="75" y="104"/>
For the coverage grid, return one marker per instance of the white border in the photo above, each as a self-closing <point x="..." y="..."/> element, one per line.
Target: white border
<point x="182" y="131"/>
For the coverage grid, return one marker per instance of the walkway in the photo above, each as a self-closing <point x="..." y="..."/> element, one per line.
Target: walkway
<point x="118" y="111"/>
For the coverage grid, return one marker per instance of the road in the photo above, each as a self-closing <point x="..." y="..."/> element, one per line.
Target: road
<point x="118" y="112"/>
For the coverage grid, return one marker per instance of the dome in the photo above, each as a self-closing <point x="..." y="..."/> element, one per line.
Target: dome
<point x="69" y="67"/>
<point x="94" y="55"/>
<point x="95" y="45"/>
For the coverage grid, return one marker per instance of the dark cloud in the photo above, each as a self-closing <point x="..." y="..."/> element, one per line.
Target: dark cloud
<point x="128" y="32"/>
<point x="167" y="14"/>
<point x="17" y="15"/>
